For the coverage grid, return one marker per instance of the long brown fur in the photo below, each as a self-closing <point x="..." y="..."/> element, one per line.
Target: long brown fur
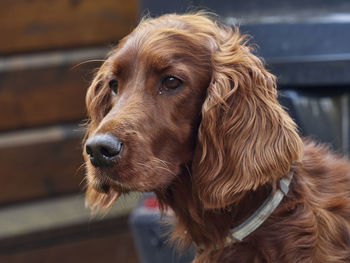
<point x="216" y="147"/>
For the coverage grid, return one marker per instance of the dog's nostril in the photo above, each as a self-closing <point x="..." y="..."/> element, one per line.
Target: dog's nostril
<point x="89" y="150"/>
<point x="103" y="149"/>
<point x="110" y="151"/>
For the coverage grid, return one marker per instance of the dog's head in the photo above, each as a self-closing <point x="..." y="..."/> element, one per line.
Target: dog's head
<point x="182" y="92"/>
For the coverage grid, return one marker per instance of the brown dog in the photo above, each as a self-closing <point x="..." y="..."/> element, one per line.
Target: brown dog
<point x="183" y="108"/>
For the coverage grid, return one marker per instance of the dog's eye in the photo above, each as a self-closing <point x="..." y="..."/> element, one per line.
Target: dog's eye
<point x="113" y="85"/>
<point x="171" y="83"/>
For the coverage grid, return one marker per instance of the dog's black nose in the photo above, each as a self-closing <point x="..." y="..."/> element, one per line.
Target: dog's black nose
<point x="103" y="149"/>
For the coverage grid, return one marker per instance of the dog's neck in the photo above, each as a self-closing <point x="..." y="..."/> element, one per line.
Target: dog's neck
<point x="207" y="227"/>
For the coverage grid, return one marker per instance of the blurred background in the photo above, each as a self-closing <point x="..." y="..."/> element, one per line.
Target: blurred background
<point x="48" y="53"/>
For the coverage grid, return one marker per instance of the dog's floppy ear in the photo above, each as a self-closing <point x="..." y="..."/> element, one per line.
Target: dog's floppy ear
<point x="98" y="98"/>
<point x="245" y="138"/>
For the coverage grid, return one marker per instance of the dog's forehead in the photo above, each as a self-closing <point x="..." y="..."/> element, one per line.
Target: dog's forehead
<point x="161" y="46"/>
<point x="150" y="52"/>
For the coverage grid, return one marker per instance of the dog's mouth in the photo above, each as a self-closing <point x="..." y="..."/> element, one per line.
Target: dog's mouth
<point x="104" y="184"/>
<point x="103" y="187"/>
<point x="144" y="177"/>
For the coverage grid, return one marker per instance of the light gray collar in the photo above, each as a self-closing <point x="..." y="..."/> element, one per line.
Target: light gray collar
<point x="237" y="234"/>
<point x="262" y="213"/>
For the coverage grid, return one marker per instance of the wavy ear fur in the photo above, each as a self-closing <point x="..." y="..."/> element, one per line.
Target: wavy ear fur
<point x="245" y="138"/>
<point x="97" y="99"/>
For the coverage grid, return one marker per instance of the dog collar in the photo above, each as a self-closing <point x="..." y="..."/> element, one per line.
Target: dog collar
<point x="237" y="234"/>
<point x="262" y="213"/>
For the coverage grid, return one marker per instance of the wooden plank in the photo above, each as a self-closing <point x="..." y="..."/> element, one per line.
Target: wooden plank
<point x="109" y="248"/>
<point x="61" y="230"/>
<point x="43" y="162"/>
<point x="41" y="24"/>
<point x="28" y="219"/>
<point x="46" y="88"/>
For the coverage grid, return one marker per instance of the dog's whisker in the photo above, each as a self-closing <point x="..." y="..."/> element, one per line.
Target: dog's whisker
<point x="87" y="61"/>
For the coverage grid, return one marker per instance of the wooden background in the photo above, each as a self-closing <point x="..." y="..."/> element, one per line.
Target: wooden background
<point x="42" y="94"/>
